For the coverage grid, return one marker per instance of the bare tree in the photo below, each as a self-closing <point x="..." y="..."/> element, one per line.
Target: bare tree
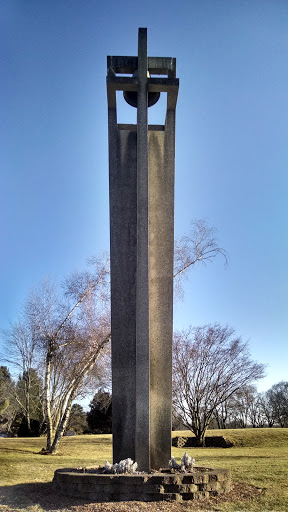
<point x="255" y="413"/>
<point x="277" y="396"/>
<point x="267" y="409"/>
<point x="72" y="342"/>
<point x="200" y="246"/>
<point x="21" y="355"/>
<point x="222" y="414"/>
<point x="244" y="407"/>
<point x="70" y="327"/>
<point x="210" y="365"/>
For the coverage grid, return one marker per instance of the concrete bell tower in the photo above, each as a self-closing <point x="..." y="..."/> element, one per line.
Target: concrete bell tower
<point x="141" y="189"/>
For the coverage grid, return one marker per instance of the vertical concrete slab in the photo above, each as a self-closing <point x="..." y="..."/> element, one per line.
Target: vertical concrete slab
<point x="161" y="252"/>
<point x="123" y="250"/>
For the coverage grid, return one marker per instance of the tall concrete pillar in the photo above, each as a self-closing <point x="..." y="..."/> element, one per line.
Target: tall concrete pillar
<point x="141" y="188"/>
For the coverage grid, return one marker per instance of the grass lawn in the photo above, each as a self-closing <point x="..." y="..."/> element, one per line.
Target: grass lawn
<point x="259" y="458"/>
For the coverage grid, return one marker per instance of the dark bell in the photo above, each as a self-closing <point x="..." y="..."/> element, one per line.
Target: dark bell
<point x="132" y="96"/>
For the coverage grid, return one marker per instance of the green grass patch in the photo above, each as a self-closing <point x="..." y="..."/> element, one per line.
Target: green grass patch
<point x="247" y="436"/>
<point x="20" y="461"/>
<point x="259" y="457"/>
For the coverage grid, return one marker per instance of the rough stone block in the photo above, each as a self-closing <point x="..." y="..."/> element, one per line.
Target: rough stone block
<point x="171" y="488"/>
<point x="212" y="486"/>
<point x="101" y="479"/>
<point x="188" y="488"/>
<point x="152" y="488"/>
<point x="173" y="497"/>
<point x="200" y="478"/>
<point x="200" y="495"/>
<point x="188" y="496"/>
<point x="226" y="485"/>
<point x="109" y="488"/>
<point x="132" y="479"/>
<point x="83" y="487"/>
<point x="98" y="497"/>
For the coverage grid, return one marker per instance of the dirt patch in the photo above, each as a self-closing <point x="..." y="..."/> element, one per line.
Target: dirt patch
<point x="42" y="498"/>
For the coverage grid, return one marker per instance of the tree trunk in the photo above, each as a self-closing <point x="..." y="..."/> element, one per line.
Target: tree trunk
<point x="47" y="400"/>
<point x="62" y="425"/>
<point x="63" y="413"/>
<point x="218" y="418"/>
<point x="200" y="441"/>
<point x="200" y="437"/>
<point x="27" y="400"/>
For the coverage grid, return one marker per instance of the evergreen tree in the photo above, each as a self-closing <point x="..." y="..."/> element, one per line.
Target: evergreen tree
<point x="77" y="421"/>
<point x="8" y="405"/>
<point x="99" y="418"/>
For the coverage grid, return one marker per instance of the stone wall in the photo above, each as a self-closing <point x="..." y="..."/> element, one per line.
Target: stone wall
<point x="199" y="484"/>
<point x="210" y="442"/>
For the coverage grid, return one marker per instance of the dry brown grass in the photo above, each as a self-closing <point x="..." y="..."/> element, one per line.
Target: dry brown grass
<point x="259" y="473"/>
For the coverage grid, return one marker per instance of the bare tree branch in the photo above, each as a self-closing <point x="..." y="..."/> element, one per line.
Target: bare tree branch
<point x="200" y="246"/>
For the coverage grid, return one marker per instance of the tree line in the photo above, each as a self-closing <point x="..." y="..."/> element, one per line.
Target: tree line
<point x="13" y="417"/>
<point x="61" y="340"/>
<point x="244" y="408"/>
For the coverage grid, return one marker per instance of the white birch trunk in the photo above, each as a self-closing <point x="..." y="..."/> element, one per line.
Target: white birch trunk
<point x="69" y="397"/>
<point x="47" y="399"/>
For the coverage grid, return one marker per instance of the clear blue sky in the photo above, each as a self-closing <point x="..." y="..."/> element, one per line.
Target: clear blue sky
<point x="231" y="149"/>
